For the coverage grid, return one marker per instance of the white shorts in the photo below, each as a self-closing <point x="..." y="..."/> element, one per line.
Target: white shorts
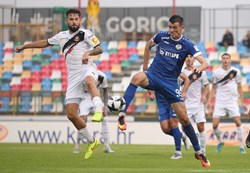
<point x="232" y="109"/>
<point x="197" y="115"/>
<point x="76" y="83"/>
<point x="86" y="106"/>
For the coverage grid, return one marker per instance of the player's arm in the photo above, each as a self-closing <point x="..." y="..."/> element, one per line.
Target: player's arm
<point x="241" y="97"/>
<point x="147" y="50"/>
<point x="211" y="97"/>
<point x="204" y="93"/>
<point x="203" y="62"/>
<point x="96" y="51"/>
<point x="186" y="84"/>
<point x="36" y="44"/>
<point x="105" y="100"/>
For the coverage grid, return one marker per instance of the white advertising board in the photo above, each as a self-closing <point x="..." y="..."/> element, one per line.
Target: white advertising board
<point x="51" y="130"/>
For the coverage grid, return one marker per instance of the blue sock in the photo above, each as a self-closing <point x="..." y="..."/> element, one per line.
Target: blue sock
<point x="177" y="138"/>
<point x="129" y="95"/>
<point x="189" y="130"/>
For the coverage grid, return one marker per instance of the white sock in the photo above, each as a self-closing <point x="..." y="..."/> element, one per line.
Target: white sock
<point x="202" y="139"/>
<point x="217" y="133"/>
<point x="79" y="137"/>
<point x="121" y="114"/>
<point x="105" y="131"/>
<point x="240" y="136"/>
<point x="97" y="101"/>
<point x="84" y="133"/>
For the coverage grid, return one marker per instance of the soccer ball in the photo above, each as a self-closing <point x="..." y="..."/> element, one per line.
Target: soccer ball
<point x="116" y="103"/>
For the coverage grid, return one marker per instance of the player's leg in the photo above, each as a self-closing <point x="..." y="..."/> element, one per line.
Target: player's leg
<point x="105" y="134"/>
<point x="90" y="82"/>
<point x="139" y="79"/>
<point x="217" y="132"/>
<point x="202" y="136"/>
<point x="248" y="140"/>
<point x="175" y="132"/>
<point x="72" y="106"/>
<point x="180" y="110"/>
<point x="240" y="134"/>
<point x="234" y="112"/>
<point x="219" y="111"/>
<point x="79" y="138"/>
<point x="200" y="119"/>
<point x="84" y="110"/>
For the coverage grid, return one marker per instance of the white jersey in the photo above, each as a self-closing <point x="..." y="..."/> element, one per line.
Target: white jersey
<point x="226" y="91"/>
<point x="77" y="71"/>
<point x="193" y="99"/>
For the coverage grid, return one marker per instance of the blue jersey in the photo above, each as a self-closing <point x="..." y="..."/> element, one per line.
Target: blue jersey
<point x="170" y="55"/>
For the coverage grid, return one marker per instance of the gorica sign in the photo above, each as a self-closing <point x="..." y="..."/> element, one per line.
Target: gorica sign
<point x="139" y="24"/>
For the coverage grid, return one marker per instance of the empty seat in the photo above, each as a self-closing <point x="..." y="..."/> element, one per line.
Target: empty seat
<point x="56" y="87"/>
<point x="56" y="74"/>
<point x="116" y="69"/>
<point x="17" y="69"/>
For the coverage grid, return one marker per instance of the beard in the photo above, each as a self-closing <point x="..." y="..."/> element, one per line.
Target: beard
<point x="73" y="29"/>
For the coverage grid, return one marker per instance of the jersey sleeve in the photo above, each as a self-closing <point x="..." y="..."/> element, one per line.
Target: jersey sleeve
<point x="193" y="49"/>
<point x="91" y="39"/>
<point x="54" y="40"/>
<point x="157" y="38"/>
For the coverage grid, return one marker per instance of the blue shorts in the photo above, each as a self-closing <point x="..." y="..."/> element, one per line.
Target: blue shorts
<point x="165" y="110"/>
<point x="168" y="88"/>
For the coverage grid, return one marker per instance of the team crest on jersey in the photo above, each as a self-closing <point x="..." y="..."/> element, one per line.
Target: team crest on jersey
<point x="178" y="46"/>
<point x="77" y="38"/>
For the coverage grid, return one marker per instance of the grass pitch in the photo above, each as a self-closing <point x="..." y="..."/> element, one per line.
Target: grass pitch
<point x="59" y="158"/>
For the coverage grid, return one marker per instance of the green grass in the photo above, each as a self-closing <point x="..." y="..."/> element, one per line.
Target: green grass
<point x="58" y="158"/>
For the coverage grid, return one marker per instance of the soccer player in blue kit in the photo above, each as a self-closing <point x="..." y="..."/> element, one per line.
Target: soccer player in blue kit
<point x="162" y="75"/>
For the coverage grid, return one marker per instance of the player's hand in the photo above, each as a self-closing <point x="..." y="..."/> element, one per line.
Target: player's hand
<point x="197" y="69"/>
<point x="151" y="95"/>
<point x="19" y="48"/>
<point x="210" y="107"/>
<point x="85" y="58"/>
<point x="184" y="95"/>
<point x="203" y="100"/>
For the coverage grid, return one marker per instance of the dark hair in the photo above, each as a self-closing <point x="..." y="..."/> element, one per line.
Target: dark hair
<point x="73" y="11"/>
<point x="226" y="54"/>
<point x="176" y="18"/>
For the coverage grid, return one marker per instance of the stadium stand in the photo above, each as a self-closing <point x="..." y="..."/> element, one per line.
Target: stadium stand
<point x="40" y="75"/>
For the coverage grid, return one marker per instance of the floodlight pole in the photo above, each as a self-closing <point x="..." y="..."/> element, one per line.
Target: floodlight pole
<point x="174" y="8"/>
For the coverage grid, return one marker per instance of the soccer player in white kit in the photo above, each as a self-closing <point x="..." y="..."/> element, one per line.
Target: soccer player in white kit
<point x="77" y="44"/>
<point x="87" y="107"/>
<point x="196" y="95"/>
<point x="226" y="89"/>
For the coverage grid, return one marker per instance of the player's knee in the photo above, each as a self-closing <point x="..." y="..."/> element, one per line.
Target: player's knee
<point x="138" y="78"/>
<point x="89" y="81"/>
<point x="184" y="120"/>
<point x="71" y="116"/>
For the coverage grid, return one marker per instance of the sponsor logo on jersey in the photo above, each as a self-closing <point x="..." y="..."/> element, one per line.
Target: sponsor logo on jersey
<point x="169" y="54"/>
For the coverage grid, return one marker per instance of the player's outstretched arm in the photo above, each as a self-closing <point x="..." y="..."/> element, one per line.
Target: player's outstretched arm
<point x="36" y="44"/>
<point x="186" y="84"/>
<point x="147" y="50"/>
<point x="203" y="62"/>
